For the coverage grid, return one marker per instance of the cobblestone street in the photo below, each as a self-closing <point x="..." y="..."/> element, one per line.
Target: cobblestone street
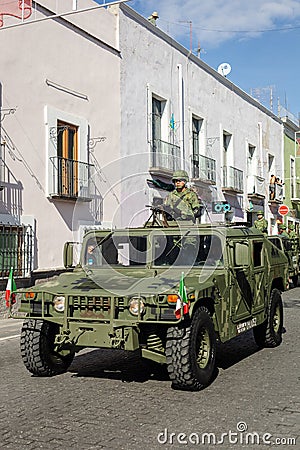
<point x="111" y="400"/>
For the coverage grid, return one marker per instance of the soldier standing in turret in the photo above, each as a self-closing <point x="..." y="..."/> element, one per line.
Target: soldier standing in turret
<point x="182" y="203"/>
<point x="261" y="223"/>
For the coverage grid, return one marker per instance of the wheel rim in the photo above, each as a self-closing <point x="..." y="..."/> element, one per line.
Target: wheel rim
<point x="204" y="348"/>
<point x="277" y="319"/>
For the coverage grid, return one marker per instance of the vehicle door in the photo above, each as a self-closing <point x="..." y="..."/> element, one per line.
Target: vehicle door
<point x="258" y="278"/>
<point x="241" y="295"/>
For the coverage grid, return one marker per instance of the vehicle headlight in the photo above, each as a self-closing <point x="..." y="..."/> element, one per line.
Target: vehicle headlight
<point x="134" y="305"/>
<point x="59" y="303"/>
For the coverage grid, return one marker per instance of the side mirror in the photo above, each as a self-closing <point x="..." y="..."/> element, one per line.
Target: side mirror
<point x="68" y="255"/>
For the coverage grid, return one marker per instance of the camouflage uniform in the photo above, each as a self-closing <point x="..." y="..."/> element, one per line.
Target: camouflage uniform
<point x="186" y="202"/>
<point x="282" y="231"/>
<point x="292" y="233"/>
<point x="293" y="237"/>
<point x="261" y="224"/>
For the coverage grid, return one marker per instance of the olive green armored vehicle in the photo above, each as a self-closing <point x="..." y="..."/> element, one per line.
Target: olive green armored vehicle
<point x="292" y="250"/>
<point x="170" y="293"/>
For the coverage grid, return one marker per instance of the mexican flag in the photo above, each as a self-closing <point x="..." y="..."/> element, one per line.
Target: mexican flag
<point x="182" y="299"/>
<point x="10" y="289"/>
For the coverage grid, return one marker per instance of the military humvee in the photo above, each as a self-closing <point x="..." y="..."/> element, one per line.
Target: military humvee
<point x="170" y="293"/>
<point x="291" y="248"/>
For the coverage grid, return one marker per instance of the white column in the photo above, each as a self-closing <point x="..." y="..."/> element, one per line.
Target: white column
<point x="181" y="108"/>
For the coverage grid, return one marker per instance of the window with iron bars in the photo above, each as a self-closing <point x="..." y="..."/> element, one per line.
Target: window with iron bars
<point x="16" y="250"/>
<point x="70" y="177"/>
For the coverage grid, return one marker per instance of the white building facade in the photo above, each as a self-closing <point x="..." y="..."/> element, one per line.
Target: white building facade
<point x="60" y="105"/>
<point x="94" y="104"/>
<point x="181" y="113"/>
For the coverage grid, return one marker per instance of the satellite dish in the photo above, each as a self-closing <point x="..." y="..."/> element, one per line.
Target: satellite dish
<point x="224" y="69"/>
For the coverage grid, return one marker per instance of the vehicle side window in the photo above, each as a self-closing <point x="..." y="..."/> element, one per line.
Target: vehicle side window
<point x="276" y="242"/>
<point x="91" y="253"/>
<point x="241" y="254"/>
<point x="287" y="244"/>
<point x="257" y="254"/>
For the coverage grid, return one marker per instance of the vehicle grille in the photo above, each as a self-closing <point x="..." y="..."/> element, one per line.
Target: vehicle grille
<point x="93" y="303"/>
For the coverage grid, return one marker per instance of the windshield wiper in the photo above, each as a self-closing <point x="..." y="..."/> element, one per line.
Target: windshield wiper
<point x="102" y="240"/>
<point x="178" y="242"/>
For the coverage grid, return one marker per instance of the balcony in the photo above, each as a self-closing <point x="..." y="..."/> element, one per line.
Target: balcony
<point x="232" y="179"/>
<point x="204" y="169"/>
<point x="70" y="179"/>
<point x="256" y="186"/>
<point x="276" y="194"/>
<point x="165" y="156"/>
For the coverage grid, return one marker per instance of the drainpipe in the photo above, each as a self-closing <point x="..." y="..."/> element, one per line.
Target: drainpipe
<point x="261" y="173"/>
<point x="181" y="116"/>
<point x="261" y="169"/>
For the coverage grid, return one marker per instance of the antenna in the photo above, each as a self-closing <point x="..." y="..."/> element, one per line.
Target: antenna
<point x="191" y="32"/>
<point x="262" y="93"/>
<point x="224" y="69"/>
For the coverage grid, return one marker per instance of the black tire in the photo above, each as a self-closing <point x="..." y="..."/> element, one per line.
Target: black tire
<point x="269" y="333"/>
<point x="37" y="349"/>
<point x="191" y="352"/>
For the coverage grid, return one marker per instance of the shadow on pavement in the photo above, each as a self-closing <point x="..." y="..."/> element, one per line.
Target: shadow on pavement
<point x="236" y="350"/>
<point x="129" y="366"/>
<point x="117" y="365"/>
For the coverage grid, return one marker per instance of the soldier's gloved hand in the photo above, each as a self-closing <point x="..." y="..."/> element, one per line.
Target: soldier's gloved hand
<point x="197" y="212"/>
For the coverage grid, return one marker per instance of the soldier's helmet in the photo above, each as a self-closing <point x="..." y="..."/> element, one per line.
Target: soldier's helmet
<point x="291" y="226"/>
<point x="281" y="227"/>
<point x="260" y="212"/>
<point x="180" y="175"/>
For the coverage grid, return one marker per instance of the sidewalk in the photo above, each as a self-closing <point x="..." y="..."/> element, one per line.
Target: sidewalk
<point x="4" y="314"/>
<point x="4" y="311"/>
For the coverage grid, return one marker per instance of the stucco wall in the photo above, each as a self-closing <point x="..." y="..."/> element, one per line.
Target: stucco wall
<point x="51" y="64"/>
<point x="151" y="62"/>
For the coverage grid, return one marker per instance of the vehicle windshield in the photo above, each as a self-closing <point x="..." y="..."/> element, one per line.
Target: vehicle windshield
<point x="115" y="250"/>
<point x="167" y="250"/>
<point x="187" y="250"/>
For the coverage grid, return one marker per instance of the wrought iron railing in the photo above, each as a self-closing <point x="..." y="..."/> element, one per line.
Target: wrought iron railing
<point x="70" y="178"/>
<point x="204" y="168"/>
<point x="16" y="250"/>
<point x="232" y="179"/>
<point x="165" y="155"/>
<point x="11" y="192"/>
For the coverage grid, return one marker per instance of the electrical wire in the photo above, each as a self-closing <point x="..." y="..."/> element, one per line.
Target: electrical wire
<point x="266" y="30"/>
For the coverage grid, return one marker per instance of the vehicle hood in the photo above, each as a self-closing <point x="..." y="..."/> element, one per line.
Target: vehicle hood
<point x="110" y="281"/>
